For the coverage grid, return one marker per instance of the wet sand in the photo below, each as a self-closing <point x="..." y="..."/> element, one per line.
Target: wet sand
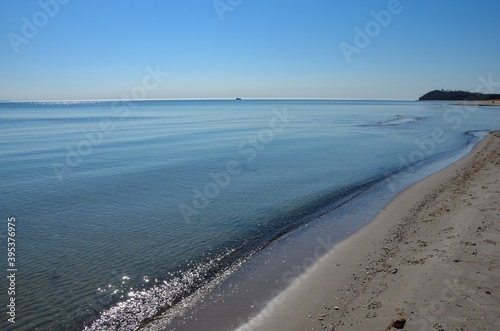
<point x="429" y="261"/>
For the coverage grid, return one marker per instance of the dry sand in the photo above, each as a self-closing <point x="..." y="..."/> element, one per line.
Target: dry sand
<point x="429" y="261"/>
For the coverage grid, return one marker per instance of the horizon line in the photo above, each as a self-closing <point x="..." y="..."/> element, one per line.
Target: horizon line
<point x="200" y="99"/>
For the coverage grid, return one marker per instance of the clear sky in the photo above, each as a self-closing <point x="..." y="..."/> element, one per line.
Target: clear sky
<point x="95" y="49"/>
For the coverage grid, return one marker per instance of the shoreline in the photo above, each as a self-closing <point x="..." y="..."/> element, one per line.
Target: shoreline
<point x="425" y="259"/>
<point x="468" y="103"/>
<point x="479" y="103"/>
<point x="272" y="270"/>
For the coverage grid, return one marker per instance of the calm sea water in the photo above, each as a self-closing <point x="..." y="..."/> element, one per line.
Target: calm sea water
<point x="123" y="208"/>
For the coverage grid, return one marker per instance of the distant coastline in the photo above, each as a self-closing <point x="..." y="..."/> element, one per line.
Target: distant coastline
<point x="449" y="95"/>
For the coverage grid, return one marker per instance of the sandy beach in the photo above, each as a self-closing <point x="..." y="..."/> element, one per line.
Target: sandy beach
<point x="491" y="103"/>
<point x="429" y="261"/>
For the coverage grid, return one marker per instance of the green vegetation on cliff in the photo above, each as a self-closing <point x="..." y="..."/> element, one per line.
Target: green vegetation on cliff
<point x="458" y="95"/>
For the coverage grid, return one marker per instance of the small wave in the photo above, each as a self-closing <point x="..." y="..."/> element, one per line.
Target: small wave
<point x="397" y="120"/>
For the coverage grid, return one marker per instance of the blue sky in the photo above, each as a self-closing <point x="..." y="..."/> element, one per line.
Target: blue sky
<point x="96" y="49"/>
